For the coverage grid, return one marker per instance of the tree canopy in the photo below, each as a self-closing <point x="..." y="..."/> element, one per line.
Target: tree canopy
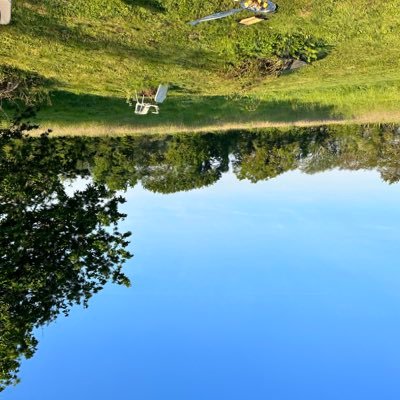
<point x="57" y="249"/>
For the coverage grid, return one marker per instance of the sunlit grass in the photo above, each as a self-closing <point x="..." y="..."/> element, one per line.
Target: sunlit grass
<point x="108" y="49"/>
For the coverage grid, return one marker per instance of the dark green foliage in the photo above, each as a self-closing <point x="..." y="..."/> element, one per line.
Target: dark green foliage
<point x="151" y="5"/>
<point x="299" y="46"/>
<point x="168" y="164"/>
<point x="261" y="55"/>
<point x="57" y="249"/>
<point x="23" y="88"/>
<point x="267" y="155"/>
<point x="164" y="165"/>
<point x="188" y="162"/>
<point x="254" y="45"/>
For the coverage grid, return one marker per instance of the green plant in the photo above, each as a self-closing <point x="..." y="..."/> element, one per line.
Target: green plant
<point x="22" y="88"/>
<point x="299" y="46"/>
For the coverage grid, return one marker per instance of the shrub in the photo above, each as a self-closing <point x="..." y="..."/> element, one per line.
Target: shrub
<point x="299" y="46"/>
<point x="257" y="56"/>
<point x="22" y="88"/>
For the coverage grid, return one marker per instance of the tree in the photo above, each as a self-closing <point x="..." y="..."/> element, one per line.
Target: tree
<point x="57" y="249"/>
<point x="187" y="162"/>
<point x="265" y="156"/>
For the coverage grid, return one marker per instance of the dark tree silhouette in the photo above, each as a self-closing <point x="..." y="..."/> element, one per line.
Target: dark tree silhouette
<point x="187" y="162"/>
<point x="57" y="249"/>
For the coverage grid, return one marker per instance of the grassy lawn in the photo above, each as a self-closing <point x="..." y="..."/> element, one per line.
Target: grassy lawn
<point x="97" y="52"/>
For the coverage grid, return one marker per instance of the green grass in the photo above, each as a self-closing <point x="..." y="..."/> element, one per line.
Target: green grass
<point x="97" y="52"/>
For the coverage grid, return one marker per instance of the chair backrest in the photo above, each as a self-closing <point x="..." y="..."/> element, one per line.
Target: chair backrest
<point x="5" y="12"/>
<point x="161" y="93"/>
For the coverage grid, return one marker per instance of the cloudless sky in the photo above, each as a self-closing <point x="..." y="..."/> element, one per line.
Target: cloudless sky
<point x="286" y="289"/>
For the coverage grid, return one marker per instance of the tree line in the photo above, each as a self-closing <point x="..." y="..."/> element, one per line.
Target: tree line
<point x="173" y="163"/>
<point x="59" y="249"/>
<point x="56" y="249"/>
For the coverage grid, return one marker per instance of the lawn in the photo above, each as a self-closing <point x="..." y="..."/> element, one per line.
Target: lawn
<point x="96" y="53"/>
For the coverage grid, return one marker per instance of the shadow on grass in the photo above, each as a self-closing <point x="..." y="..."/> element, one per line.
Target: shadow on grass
<point x="151" y="5"/>
<point x="70" y="109"/>
<point x="44" y="26"/>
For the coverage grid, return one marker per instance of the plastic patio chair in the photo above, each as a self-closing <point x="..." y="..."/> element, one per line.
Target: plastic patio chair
<point x="5" y="12"/>
<point x="143" y="108"/>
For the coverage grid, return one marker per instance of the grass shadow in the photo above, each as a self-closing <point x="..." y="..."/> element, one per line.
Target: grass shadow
<point x="151" y="5"/>
<point x="44" y="26"/>
<point x="74" y="109"/>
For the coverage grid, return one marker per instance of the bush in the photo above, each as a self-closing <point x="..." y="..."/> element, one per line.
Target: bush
<point x="257" y="56"/>
<point x="22" y="88"/>
<point x="299" y="46"/>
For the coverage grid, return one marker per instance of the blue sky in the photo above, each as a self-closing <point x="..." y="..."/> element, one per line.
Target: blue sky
<point x="286" y="289"/>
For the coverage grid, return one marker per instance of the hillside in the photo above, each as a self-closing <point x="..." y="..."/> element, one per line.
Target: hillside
<point x="95" y="53"/>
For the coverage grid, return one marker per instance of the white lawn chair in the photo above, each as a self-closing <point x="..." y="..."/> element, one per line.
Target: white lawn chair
<point x="5" y="12"/>
<point x="143" y="108"/>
